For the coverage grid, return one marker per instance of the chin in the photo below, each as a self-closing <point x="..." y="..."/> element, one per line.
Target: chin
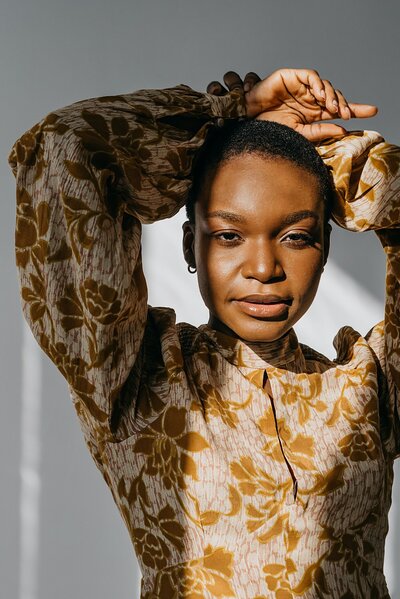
<point x="264" y="334"/>
<point x="259" y="330"/>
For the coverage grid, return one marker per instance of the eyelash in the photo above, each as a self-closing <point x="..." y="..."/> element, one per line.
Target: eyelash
<point x="220" y="237"/>
<point x="303" y="239"/>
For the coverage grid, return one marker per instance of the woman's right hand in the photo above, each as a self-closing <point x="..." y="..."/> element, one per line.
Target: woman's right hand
<point x="298" y="98"/>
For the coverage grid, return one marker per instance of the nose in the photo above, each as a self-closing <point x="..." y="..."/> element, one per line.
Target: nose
<point x="262" y="262"/>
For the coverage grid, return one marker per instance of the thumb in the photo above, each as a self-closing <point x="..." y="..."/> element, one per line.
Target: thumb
<point x="320" y="131"/>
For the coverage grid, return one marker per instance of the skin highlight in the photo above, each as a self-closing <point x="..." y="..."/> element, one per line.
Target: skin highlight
<point x="259" y="230"/>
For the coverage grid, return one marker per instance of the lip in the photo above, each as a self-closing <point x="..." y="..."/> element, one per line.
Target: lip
<point x="265" y="298"/>
<point x="264" y="305"/>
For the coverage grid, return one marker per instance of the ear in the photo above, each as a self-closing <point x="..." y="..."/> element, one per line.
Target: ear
<point x="327" y="241"/>
<point x="188" y="243"/>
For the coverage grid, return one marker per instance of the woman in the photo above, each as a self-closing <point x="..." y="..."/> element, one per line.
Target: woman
<point x="243" y="463"/>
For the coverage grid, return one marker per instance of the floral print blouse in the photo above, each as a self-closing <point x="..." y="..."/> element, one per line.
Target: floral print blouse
<point x="226" y="490"/>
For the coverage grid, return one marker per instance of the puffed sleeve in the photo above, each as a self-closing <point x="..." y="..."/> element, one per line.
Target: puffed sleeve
<point x="366" y="172"/>
<point x="87" y="176"/>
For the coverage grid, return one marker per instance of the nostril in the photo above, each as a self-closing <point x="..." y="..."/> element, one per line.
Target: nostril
<point x="263" y="265"/>
<point x="264" y="275"/>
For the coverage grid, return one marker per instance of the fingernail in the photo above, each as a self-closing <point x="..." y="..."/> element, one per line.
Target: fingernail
<point x="322" y="93"/>
<point x="336" y="105"/>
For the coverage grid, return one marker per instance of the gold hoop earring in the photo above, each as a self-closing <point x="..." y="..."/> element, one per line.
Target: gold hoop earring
<point x="191" y="269"/>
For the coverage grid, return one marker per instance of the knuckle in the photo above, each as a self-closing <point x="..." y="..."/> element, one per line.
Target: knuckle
<point x="212" y="87"/>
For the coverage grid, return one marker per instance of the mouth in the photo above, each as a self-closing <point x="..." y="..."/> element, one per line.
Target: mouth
<point x="264" y="305"/>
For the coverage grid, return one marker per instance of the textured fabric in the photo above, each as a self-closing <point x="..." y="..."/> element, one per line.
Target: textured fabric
<point x="226" y="490"/>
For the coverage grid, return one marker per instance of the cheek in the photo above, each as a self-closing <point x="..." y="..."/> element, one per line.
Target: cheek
<point x="216" y="270"/>
<point x="305" y="274"/>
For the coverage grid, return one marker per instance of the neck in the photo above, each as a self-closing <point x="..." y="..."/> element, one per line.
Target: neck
<point x="276" y="352"/>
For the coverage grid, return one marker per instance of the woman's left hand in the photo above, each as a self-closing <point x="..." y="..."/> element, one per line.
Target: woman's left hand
<point x="298" y="98"/>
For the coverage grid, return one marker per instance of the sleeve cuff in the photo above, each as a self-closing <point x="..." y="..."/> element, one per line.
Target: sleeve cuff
<point x="230" y="106"/>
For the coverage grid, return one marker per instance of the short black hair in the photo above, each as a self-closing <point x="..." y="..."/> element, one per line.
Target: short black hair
<point x="264" y="138"/>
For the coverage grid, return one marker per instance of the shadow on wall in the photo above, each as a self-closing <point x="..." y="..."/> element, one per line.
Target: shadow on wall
<point x="363" y="258"/>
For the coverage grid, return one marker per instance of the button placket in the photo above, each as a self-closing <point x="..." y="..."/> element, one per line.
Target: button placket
<point x="291" y="498"/>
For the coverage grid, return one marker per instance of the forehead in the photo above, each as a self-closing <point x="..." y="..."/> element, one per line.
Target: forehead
<point x="260" y="188"/>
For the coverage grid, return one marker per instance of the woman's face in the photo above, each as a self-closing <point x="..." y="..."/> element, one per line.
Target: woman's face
<point x="259" y="245"/>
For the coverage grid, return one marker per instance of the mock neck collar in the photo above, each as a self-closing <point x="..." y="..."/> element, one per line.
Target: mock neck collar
<point x="284" y="353"/>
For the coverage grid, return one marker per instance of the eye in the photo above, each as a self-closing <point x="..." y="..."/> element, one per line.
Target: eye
<point x="299" y="239"/>
<point x="227" y="237"/>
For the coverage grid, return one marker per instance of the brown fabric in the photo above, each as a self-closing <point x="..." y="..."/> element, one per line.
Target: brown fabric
<point x="226" y="491"/>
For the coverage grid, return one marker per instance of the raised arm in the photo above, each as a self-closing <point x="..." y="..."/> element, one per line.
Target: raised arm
<point x="366" y="171"/>
<point x="87" y="176"/>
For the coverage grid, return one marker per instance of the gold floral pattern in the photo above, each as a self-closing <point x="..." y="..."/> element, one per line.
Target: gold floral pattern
<point x="168" y="444"/>
<point x="152" y="548"/>
<point x="206" y="577"/>
<point x="227" y="489"/>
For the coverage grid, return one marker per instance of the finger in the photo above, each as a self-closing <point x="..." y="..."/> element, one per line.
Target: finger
<point x="233" y="81"/>
<point x="331" y="100"/>
<point x="250" y="80"/>
<point x="362" y="111"/>
<point x="313" y="81"/>
<point x="216" y="88"/>
<point x="356" y="111"/>
<point x="320" y="131"/>
<point x="344" y="109"/>
<point x="316" y="85"/>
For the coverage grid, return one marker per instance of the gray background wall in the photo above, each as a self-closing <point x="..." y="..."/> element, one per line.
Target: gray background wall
<point x="60" y="533"/>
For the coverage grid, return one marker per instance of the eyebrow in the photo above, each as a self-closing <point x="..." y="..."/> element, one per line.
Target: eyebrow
<point x="290" y="219"/>
<point x="295" y="217"/>
<point x="229" y="216"/>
